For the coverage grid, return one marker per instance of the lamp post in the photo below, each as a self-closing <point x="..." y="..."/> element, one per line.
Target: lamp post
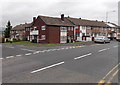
<point x="107" y="13"/>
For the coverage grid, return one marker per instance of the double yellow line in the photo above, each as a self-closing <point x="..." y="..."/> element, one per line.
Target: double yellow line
<point x="103" y="81"/>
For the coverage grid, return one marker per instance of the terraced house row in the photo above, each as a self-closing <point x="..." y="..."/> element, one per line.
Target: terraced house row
<point x="44" y="29"/>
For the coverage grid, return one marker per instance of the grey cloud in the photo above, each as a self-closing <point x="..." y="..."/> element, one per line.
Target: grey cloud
<point x="21" y="12"/>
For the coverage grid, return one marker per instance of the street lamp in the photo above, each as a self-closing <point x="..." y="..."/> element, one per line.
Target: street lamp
<point x="108" y="13"/>
<point x="107" y="19"/>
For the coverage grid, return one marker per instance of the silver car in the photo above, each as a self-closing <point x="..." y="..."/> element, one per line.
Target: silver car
<point x="102" y="39"/>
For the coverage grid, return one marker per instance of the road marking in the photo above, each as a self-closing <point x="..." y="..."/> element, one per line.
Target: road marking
<point x="83" y="56"/>
<point x="115" y="46"/>
<point x="62" y="48"/>
<point x="54" y="49"/>
<point x="28" y="50"/>
<point x="36" y="52"/>
<point x="9" y="57"/>
<point x="11" y="47"/>
<point x="42" y="51"/>
<point x="102" y="50"/>
<point x="111" y="78"/>
<point x="66" y="48"/>
<point x="58" y="49"/>
<point x="47" y="67"/>
<point x="101" y="82"/>
<point x="49" y="50"/>
<point x="31" y="50"/>
<point x="81" y="46"/>
<point x="111" y="71"/>
<point x="28" y="54"/>
<point x="95" y="44"/>
<point x="73" y="47"/>
<point x="1" y="58"/>
<point x="18" y="55"/>
<point x="70" y="47"/>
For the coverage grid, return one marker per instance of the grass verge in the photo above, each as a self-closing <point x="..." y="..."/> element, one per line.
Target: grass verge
<point x="30" y="43"/>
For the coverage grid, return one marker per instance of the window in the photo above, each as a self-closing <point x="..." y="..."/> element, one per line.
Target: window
<point x="63" y="29"/>
<point x="42" y="37"/>
<point x="83" y="27"/>
<point x="43" y="28"/>
<point x="69" y="28"/>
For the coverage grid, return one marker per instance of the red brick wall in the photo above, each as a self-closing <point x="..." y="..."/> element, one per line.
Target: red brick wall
<point x="38" y="23"/>
<point x="53" y="34"/>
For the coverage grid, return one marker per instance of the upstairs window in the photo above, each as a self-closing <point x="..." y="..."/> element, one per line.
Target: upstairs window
<point x="43" y="28"/>
<point x="63" y="29"/>
<point x="72" y="28"/>
<point x="69" y="28"/>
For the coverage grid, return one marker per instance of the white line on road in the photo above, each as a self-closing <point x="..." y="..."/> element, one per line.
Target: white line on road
<point x="28" y="54"/>
<point x="66" y="48"/>
<point x="9" y="57"/>
<point x="102" y="50"/>
<point x="83" y="56"/>
<point x="58" y="49"/>
<point x="73" y="47"/>
<point x="28" y="50"/>
<point x="62" y="48"/>
<point x="1" y="58"/>
<point x="36" y="52"/>
<point x="53" y="49"/>
<point x="47" y="67"/>
<point x="11" y="47"/>
<point x="70" y="47"/>
<point x="115" y="46"/>
<point x="18" y="55"/>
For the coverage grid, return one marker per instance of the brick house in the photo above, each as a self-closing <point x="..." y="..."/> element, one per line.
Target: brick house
<point x="88" y="29"/>
<point x="52" y="30"/>
<point x="44" y="29"/>
<point x="19" y="32"/>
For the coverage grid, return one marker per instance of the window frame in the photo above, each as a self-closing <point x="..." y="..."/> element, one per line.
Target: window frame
<point x="43" y="27"/>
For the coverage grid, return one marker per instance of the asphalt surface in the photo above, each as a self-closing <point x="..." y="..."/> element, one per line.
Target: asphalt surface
<point x="77" y="63"/>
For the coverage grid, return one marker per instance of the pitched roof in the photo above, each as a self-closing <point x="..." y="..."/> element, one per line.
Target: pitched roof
<point x="56" y="21"/>
<point x="84" y="22"/>
<point x="22" y="26"/>
<point x="115" y="25"/>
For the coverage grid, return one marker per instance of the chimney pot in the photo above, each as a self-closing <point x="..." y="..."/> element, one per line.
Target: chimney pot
<point x="62" y="17"/>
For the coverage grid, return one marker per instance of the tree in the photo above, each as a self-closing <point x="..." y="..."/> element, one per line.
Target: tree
<point x="7" y="30"/>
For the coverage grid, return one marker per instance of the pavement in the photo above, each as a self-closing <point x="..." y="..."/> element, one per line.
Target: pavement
<point x="73" y="63"/>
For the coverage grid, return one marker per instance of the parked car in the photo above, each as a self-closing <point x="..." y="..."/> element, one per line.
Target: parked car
<point x="102" y="39"/>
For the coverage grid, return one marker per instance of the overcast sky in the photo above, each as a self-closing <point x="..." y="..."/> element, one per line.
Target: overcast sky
<point x="21" y="11"/>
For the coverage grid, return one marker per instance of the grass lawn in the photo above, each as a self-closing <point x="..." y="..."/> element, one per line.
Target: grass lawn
<point x="22" y="43"/>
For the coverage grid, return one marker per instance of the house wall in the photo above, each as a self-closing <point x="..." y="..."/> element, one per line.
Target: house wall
<point x="38" y="23"/>
<point x="53" y="34"/>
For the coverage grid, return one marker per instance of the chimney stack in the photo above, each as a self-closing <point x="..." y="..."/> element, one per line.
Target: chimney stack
<point x="34" y="18"/>
<point x="62" y="17"/>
